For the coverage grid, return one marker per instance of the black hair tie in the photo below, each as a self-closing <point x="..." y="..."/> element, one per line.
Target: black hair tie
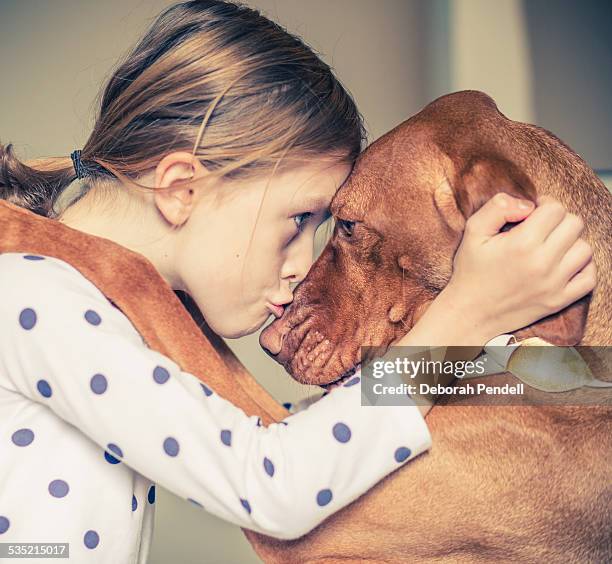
<point x="79" y="168"/>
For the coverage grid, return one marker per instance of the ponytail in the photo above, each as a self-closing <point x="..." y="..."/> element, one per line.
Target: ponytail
<point x="34" y="185"/>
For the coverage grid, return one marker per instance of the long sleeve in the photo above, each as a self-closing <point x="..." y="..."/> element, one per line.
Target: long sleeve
<point x="65" y="346"/>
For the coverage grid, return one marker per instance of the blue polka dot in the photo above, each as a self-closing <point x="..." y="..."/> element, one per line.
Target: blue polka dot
<point x="27" y="318"/>
<point x="4" y="524"/>
<point x="23" y="437"/>
<point x="246" y="505"/>
<point x="134" y="503"/>
<point x="92" y="317"/>
<point x="268" y="466"/>
<point x="206" y="389"/>
<point x="401" y="454"/>
<point x="324" y="497"/>
<point x="259" y="421"/>
<point x="287" y="405"/>
<point x="341" y="432"/>
<point x="151" y="494"/>
<point x="98" y="383"/>
<point x="195" y="502"/>
<point x="226" y="437"/>
<point x="44" y="388"/>
<point x="283" y="423"/>
<point x="33" y="257"/>
<point x="115" y="449"/>
<point x="171" y="446"/>
<point x="58" y="488"/>
<point x="352" y="381"/>
<point x="91" y="539"/>
<point x="160" y="374"/>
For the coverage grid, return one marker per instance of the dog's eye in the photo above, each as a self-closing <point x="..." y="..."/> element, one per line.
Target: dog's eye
<point x="346" y="227"/>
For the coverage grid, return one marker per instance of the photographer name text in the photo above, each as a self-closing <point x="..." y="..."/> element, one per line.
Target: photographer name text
<point x="466" y="389"/>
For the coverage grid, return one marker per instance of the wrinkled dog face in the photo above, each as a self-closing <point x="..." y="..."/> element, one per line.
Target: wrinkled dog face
<point x="389" y="256"/>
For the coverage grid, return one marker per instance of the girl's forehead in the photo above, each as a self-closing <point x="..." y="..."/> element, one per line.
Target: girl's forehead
<point x="312" y="185"/>
<point x="324" y="176"/>
<point x="306" y="187"/>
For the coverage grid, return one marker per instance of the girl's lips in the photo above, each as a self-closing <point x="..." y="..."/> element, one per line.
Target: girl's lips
<point x="277" y="310"/>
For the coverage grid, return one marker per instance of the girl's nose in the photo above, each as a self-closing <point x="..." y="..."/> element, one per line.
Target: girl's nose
<point x="299" y="260"/>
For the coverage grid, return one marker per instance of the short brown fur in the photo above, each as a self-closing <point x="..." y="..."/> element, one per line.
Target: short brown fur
<point x="524" y="483"/>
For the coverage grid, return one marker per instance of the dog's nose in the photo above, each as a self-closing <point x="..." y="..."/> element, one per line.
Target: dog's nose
<point x="272" y="337"/>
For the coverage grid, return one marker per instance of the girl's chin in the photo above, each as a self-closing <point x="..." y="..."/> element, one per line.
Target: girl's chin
<point x="241" y="324"/>
<point x="237" y="332"/>
<point x="264" y="320"/>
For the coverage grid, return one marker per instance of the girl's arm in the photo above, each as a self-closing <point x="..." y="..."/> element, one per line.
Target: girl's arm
<point x="65" y="346"/>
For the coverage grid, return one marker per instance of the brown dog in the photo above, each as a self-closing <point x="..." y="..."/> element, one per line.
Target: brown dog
<point x="530" y="484"/>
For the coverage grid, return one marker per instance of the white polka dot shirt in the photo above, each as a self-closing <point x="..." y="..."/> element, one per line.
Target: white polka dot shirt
<point x="91" y="419"/>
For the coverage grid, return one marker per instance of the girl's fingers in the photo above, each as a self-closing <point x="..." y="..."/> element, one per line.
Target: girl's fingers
<point x="541" y="222"/>
<point x="581" y="284"/>
<point x="495" y="213"/>
<point x="575" y="259"/>
<point x="564" y="236"/>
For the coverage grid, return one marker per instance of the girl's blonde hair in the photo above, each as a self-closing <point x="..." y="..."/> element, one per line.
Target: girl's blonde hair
<point x="214" y="78"/>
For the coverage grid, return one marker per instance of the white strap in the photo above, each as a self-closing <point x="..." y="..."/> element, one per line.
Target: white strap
<point x="497" y="353"/>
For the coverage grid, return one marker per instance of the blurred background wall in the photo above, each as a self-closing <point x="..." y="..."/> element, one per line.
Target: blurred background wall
<point x="544" y="62"/>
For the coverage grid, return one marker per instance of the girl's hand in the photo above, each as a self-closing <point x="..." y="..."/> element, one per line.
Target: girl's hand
<point x="519" y="276"/>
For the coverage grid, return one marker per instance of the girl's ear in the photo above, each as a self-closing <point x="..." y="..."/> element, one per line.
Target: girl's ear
<point x="174" y="201"/>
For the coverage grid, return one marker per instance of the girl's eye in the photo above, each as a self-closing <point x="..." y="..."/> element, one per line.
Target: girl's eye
<point x="346" y="227"/>
<point x="301" y="219"/>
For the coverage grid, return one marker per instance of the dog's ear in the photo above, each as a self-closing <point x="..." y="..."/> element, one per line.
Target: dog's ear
<point x="448" y="208"/>
<point x="564" y="328"/>
<point x="482" y="178"/>
<point x="467" y="191"/>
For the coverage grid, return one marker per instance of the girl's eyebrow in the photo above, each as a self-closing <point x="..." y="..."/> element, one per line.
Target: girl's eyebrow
<point x="314" y="203"/>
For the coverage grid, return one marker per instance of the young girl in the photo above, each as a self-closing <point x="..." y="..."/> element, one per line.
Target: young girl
<point x="219" y="144"/>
